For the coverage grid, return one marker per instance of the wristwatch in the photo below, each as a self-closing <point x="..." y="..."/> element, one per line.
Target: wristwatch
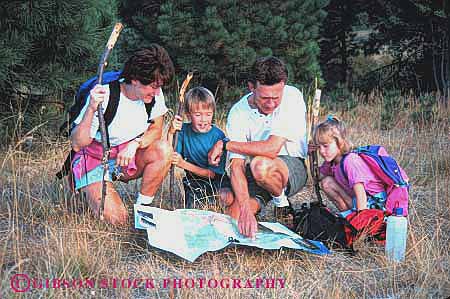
<point x="225" y="141"/>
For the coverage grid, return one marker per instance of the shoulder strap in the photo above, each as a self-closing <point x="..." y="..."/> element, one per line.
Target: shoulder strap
<point x="148" y="108"/>
<point x="113" y="104"/>
<point x="341" y="165"/>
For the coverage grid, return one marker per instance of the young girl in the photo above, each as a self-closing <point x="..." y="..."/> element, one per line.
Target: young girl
<point x="363" y="189"/>
<point x="202" y="181"/>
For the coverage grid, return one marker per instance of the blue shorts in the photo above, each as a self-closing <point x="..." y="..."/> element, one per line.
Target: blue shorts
<point x="376" y="201"/>
<point x="96" y="174"/>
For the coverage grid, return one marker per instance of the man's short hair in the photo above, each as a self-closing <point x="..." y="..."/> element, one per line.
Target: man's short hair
<point x="147" y="65"/>
<point x="268" y="71"/>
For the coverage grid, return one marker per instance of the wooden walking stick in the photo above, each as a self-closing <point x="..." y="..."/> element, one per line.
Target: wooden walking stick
<point x="313" y="158"/>
<point x="180" y="111"/>
<point x="105" y="142"/>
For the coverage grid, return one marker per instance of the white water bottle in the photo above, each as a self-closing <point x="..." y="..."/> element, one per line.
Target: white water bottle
<point x="396" y="235"/>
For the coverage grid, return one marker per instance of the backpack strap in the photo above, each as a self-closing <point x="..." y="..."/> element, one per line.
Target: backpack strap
<point x="341" y="166"/>
<point x="148" y="108"/>
<point x="113" y="104"/>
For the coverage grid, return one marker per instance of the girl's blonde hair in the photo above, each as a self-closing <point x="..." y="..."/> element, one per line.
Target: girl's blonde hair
<point x="199" y="96"/>
<point x="334" y="129"/>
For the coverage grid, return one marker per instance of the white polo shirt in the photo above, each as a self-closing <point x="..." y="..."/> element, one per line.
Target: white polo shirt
<point x="130" y="119"/>
<point x="288" y="120"/>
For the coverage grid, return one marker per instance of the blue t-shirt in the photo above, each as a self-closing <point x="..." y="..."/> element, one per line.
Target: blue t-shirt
<point x="194" y="147"/>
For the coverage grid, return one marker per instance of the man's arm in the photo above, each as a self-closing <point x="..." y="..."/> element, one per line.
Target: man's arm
<point x="247" y="221"/>
<point x="267" y="148"/>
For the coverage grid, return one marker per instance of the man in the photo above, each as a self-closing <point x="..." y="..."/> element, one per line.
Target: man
<point x="267" y="127"/>
<point x="135" y="137"/>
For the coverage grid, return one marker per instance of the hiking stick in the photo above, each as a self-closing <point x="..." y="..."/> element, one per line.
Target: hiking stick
<point x="313" y="158"/>
<point x="180" y="111"/>
<point x="105" y="142"/>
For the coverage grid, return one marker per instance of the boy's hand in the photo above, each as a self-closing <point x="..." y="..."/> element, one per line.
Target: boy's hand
<point x="312" y="147"/>
<point x="177" y="123"/>
<point x="177" y="159"/>
<point x="215" y="153"/>
<point x="97" y="96"/>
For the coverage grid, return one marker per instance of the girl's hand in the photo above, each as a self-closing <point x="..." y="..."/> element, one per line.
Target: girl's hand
<point x="97" y="96"/>
<point x="125" y="156"/>
<point x="177" y="123"/>
<point x="312" y="147"/>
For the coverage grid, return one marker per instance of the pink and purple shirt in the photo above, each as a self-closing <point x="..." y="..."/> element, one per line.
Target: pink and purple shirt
<point x="357" y="172"/>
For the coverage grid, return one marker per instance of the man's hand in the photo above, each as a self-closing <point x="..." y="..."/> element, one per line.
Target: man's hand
<point x="215" y="153"/>
<point x="247" y="224"/>
<point x="125" y="156"/>
<point x="177" y="123"/>
<point x="97" y="96"/>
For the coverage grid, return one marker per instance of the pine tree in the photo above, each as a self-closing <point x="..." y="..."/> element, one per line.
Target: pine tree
<point x="417" y="32"/>
<point x="338" y="43"/>
<point x="48" y="46"/>
<point x="222" y="39"/>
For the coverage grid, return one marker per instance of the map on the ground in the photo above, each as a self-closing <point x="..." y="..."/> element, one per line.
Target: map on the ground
<point x="189" y="233"/>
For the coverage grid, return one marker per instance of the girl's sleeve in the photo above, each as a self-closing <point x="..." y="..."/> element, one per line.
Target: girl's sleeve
<point x="357" y="170"/>
<point x="325" y="169"/>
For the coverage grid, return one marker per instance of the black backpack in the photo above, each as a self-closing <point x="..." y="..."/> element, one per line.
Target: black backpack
<point x="112" y="79"/>
<point x="315" y="221"/>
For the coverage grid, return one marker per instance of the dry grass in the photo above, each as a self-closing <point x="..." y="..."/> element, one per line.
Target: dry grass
<point x="41" y="237"/>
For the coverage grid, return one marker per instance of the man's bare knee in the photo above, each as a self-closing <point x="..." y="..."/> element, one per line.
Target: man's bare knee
<point x="260" y="167"/>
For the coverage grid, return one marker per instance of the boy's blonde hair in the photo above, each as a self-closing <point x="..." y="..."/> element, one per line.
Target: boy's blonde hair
<point x="199" y="96"/>
<point x="334" y="129"/>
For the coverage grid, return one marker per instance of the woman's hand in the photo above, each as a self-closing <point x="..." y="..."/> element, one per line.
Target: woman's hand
<point x="97" y="96"/>
<point x="125" y="156"/>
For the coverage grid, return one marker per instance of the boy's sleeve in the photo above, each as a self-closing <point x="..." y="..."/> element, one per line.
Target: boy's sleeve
<point x="220" y="169"/>
<point x="325" y="169"/>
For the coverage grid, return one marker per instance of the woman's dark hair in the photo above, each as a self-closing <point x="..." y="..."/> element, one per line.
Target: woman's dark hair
<point x="151" y="64"/>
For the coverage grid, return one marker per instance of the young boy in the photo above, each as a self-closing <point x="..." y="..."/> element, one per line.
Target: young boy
<point x="195" y="139"/>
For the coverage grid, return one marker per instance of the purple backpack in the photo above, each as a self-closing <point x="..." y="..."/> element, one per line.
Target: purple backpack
<point x="390" y="173"/>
